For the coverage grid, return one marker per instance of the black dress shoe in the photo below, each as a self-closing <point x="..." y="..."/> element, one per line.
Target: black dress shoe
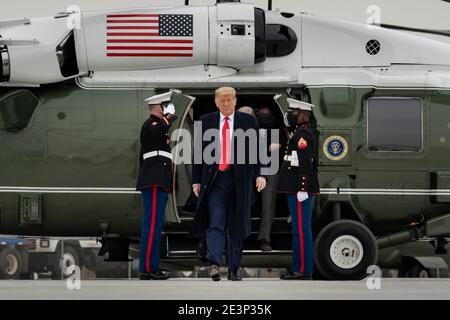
<point x="265" y="246"/>
<point x="214" y="272"/>
<point x="296" y="276"/>
<point x="154" y="275"/>
<point x="235" y="276"/>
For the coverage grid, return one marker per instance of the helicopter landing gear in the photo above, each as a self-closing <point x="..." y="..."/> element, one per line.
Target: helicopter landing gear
<point x="344" y="250"/>
<point x="116" y="247"/>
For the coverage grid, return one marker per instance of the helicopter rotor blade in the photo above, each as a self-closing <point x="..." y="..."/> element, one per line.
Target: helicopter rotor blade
<point x="445" y="33"/>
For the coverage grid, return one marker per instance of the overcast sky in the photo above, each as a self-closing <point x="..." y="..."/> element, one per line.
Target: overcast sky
<point x="433" y="14"/>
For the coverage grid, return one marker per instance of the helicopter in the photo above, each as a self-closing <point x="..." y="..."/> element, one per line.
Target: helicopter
<point x="72" y="103"/>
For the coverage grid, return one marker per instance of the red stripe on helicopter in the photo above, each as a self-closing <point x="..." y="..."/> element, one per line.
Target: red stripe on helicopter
<point x="132" y="15"/>
<point x="132" y="21"/>
<point x="148" y="48"/>
<point x="147" y="41"/>
<point x="149" y="54"/>
<point x="131" y="34"/>
<point x="132" y="28"/>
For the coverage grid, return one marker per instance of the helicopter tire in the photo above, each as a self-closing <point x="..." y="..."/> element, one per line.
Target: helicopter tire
<point x="344" y="249"/>
<point x="10" y="263"/>
<point x="413" y="270"/>
<point x="70" y="257"/>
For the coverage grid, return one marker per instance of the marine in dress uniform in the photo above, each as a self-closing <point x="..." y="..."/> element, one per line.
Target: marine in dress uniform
<point x="155" y="181"/>
<point x="298" y="179"/>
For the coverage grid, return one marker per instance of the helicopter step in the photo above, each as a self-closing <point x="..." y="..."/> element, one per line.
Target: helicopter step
<point x="177" y="244"/>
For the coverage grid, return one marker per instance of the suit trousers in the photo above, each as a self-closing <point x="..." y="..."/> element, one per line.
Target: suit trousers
<point x="221" y="206"/>
<point x="269" y="199"/>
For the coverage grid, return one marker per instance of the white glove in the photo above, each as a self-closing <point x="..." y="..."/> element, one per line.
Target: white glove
<point x="302" y="196"/>
<point x="169" y="109"/>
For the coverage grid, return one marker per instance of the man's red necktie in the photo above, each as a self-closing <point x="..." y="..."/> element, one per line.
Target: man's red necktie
<point x="225" y="155"/>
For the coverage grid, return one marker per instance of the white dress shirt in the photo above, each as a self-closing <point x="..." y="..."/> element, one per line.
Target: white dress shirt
<point x="230" y="124"/>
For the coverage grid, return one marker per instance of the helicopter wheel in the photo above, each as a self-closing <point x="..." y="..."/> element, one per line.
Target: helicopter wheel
<point x="70" y="258"/>
<point x="413" y="270"/>
<point x="344" y="250"/>
<point x="10" y="263"/>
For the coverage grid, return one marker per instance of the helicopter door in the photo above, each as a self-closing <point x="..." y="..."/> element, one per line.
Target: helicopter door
<point x="281" y="100"/>
<point x="392" y="179"/>
<point x="182" y="105"/>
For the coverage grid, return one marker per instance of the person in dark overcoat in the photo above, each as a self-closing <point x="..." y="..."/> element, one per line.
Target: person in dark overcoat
<point x="224" y="186"/>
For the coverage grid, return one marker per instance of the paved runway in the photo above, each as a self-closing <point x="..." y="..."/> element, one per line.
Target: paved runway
<point x="205" y="289"/>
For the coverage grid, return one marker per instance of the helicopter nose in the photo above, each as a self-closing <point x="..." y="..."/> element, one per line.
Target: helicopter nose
<point x="5" y="66"/>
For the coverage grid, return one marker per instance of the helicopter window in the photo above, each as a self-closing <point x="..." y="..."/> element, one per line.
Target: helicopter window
<point x="16" y="109"/>
<point x="395" y="124"/>
<point x="280" y="40"/>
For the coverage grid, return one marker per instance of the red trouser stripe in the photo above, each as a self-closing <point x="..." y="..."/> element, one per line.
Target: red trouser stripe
<point x="152" y="230"/>
<point x="300" y="232"/>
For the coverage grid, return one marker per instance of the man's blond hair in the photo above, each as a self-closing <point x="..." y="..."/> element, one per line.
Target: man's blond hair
<point x="224" y="90"/>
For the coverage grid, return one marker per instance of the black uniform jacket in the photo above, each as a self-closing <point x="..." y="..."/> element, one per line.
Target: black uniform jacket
<point x="244" y="174"/>
<point x="301" y="177"/>
<point x="155" y="171"/>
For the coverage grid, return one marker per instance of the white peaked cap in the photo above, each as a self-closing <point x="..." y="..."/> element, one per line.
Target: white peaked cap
<point x="301" y="105"/>
<point x="160" y="98"/>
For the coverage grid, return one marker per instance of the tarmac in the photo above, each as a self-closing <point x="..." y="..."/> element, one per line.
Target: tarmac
<point x="205" y="289"/>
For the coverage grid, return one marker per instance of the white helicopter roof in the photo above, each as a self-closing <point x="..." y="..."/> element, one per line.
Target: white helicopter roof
<point x="205" y="53"/>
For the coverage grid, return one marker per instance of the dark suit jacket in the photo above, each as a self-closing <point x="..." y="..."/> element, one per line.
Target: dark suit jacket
<point x="244" y="174"/>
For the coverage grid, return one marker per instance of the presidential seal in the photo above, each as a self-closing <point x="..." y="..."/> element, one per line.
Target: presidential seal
<point x="335" y="148"/>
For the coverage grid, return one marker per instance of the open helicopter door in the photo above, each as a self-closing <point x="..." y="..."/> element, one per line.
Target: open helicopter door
<point x="182" y="105"/>
<point x="281" y="100"/>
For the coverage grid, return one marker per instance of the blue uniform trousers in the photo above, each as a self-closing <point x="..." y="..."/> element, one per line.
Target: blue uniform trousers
<point x="221" y="204"/>
<point x="302" y="240"/>
<point x="155" y="200"/>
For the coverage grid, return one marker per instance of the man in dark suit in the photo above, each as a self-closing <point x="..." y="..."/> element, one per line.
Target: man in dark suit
<point x="224" y="187"/>
<point x="155" y="181"/>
